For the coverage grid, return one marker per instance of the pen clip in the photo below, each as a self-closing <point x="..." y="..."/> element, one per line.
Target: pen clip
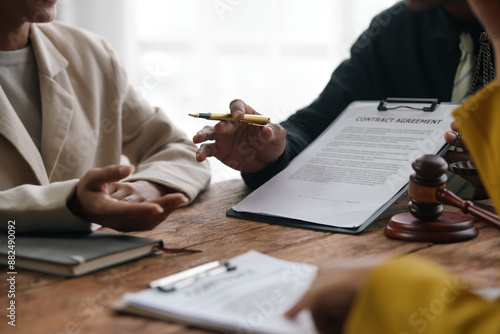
<point x="256" y="124"/>
<point x="190" y="276"/>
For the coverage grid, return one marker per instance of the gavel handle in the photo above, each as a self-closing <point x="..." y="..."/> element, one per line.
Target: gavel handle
<point x="447" y="197"/>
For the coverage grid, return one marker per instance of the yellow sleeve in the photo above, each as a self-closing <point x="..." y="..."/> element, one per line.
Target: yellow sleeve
<point x="409" y="295"/>
<point x="479" y="122"/>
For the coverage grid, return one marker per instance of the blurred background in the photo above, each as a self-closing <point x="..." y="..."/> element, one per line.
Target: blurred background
<point x="188" y="56"/>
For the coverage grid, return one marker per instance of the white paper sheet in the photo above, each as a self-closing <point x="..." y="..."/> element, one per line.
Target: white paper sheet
<point x="250" y="299"/>
<point x="357" y="165"/>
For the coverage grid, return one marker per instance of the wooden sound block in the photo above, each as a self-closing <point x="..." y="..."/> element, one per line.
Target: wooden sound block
<point x="449" y="227"/>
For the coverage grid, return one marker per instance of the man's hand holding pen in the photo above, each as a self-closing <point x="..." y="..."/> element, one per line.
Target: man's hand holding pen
<point x="240" y="145"/>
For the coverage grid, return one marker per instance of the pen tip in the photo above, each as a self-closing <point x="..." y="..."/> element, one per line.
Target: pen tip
<point x="193" y="115"/>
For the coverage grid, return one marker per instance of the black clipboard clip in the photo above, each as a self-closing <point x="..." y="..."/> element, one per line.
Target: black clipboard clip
<point x="402" y="101"/>
<point x="190" y="276"/>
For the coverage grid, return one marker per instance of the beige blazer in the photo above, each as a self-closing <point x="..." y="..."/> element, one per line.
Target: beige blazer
<point x="90" y="117"/>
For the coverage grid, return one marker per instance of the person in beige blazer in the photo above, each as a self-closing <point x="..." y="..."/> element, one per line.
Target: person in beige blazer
<point x="64" y="128"/>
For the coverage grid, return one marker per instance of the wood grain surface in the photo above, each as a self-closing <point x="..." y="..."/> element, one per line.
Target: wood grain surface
<point x="52" y="305"/>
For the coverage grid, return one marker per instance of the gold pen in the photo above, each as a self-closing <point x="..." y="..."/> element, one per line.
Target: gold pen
<point x="258" y="120"/>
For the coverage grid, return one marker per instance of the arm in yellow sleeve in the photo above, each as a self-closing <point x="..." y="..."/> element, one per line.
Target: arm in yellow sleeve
<point x="478" y="120"/>
<point x="410" y="295"/>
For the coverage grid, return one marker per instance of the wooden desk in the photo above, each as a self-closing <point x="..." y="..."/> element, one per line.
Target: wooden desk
<point x="52" y="305"/>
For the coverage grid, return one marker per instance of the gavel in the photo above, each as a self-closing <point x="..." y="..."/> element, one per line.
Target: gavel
<point x="427" y="192"/>
<point x="426" y="220"/>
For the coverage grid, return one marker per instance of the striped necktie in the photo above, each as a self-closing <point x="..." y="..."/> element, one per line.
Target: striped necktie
<point x="463" y="76"/>
<point x="461" y="90"/>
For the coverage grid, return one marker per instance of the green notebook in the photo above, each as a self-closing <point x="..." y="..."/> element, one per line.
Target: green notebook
<point x="75" y="254"/>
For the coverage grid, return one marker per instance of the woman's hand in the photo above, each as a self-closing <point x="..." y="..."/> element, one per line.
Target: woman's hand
<point x="333" y="292"/>
<point x="125" y="207"/>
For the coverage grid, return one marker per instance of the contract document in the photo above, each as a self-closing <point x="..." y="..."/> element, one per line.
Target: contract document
<point x="351" y="173"/>
<point x="252" y="298"/>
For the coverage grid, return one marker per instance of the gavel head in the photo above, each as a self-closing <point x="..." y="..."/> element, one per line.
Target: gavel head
<point x="429" y="177"/>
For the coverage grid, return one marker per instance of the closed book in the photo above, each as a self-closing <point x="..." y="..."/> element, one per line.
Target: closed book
<point x="73" y="254"/>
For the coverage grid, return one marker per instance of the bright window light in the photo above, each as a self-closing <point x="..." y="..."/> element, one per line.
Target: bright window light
<point x="197" y="55"/>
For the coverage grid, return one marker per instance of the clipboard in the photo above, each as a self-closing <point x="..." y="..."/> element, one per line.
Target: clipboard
<point x="262" y="286"/>
<point x="406" y="109"/>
